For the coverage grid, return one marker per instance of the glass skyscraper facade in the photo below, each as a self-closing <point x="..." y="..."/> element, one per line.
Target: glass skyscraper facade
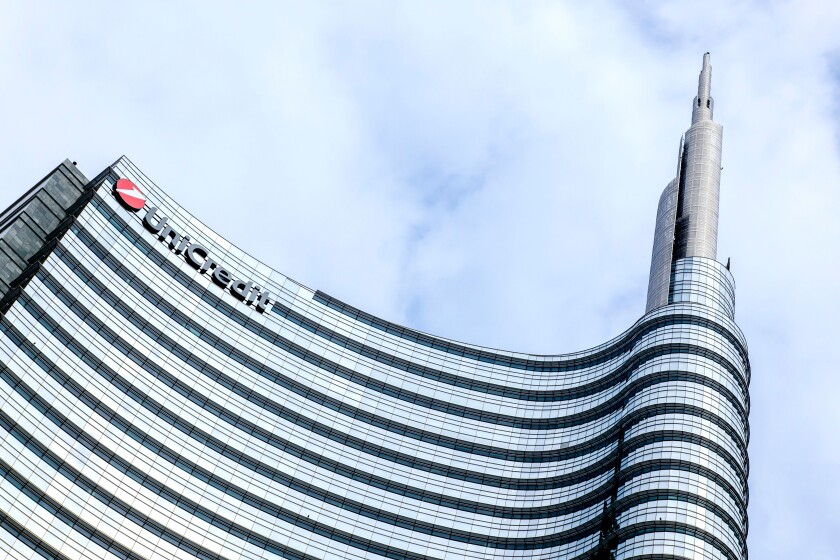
<point x="165" y="395"/>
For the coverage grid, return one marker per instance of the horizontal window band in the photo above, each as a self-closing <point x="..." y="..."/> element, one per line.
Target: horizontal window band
<point x="613" y="404"/>
<point x="604" y="465"/>
<point x="377" y="451"/>
<point x="648" y="527"/>
<point x="125" y="426"/>
<point x="191" y="507"/>
<point x="559" y="481"/>
<point x="87" y="530"/>
<point x="657" y="556"/>
<point x="523" y="513"/>
<point x="264" y="506"/>
<point x="485" y="356"/>
<point x="194" y="509"/>
<point x="665" y="494"/>
<point x="664" y="436"/>
<point x="28" y="538"/>
<point x="76" y="477"/>
<point x="130" y="513"/>
<point x="480" y="386"/>
<point x="205" y="514"/>
<point x="655" y="465"/>
<point x="128" y="312"/>
<point x="339" y="436"/>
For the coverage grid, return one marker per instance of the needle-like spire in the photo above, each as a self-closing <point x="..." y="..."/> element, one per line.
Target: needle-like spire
<point x="704" y="104"/>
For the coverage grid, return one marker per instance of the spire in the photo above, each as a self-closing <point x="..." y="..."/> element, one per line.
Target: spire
<point x="687" y="216"/>
<point x="703" y="104"/>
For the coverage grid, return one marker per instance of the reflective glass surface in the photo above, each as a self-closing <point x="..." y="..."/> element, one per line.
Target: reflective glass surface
<point x="146" y="412"/>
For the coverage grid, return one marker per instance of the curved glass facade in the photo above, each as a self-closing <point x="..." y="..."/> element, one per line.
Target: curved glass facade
<point x="155" y="407"/>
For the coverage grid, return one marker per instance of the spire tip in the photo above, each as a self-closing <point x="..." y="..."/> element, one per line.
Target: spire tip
<point x="703" y="102"/>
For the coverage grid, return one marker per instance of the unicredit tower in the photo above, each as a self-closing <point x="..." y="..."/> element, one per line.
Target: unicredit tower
<point x="165" y="395"/>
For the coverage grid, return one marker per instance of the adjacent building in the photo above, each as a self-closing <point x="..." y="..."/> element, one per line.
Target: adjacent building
<point x="165" y="395"/>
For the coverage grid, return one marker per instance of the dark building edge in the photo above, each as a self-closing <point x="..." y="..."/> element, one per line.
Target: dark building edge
<point x="31" y="227"/>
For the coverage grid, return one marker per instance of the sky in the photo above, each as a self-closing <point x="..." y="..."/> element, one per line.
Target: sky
<point x="484" y="171"/>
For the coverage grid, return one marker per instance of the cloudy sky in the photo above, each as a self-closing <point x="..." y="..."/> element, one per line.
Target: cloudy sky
<point x="486" y="171"/>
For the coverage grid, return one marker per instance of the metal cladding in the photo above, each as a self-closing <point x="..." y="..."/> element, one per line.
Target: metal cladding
<point x="663" y="248"/>
<point x="688" y="222"/>
<point x="149" y="410"/>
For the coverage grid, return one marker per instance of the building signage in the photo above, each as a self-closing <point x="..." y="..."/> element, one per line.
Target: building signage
<point x="129" y="194"/>
<point x="193" y="252"/>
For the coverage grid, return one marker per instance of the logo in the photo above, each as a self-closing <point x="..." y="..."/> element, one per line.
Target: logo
<point x="129" y="194"/>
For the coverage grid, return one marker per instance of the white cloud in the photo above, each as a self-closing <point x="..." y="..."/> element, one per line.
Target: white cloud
<point x="484" y="171"/>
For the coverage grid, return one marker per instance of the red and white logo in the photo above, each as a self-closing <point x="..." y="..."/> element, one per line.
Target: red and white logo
<point x="130" y="194"/>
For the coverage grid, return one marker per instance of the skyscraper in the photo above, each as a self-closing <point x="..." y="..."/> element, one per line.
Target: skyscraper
<point x="163" y="394"/>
